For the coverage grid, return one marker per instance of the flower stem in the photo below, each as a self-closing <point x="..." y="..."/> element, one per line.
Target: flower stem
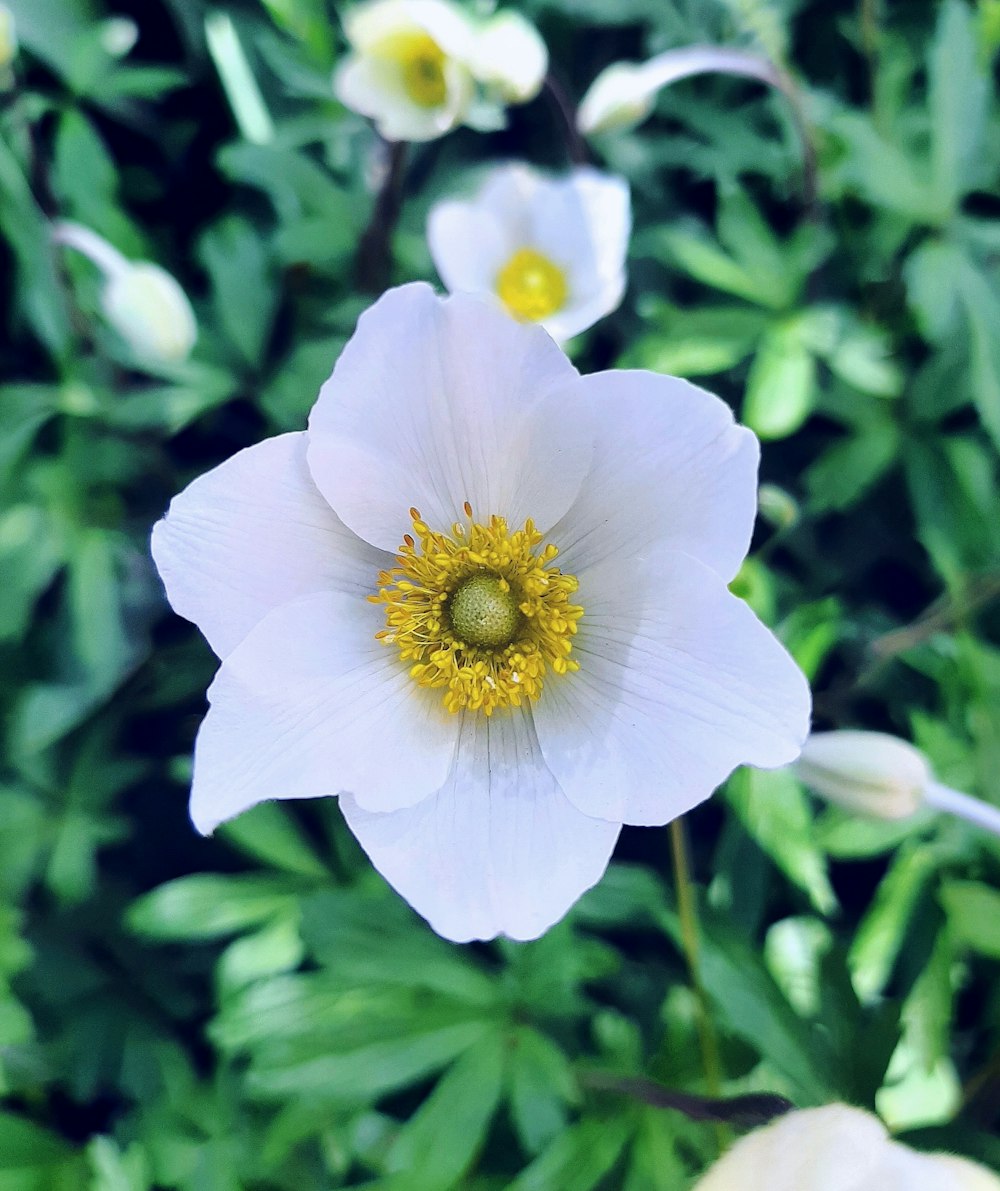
<point x="576" y="147"/>
<point x="690" y="940"/>
<point x="373" y="263"/>
<point x="973" y="810"/>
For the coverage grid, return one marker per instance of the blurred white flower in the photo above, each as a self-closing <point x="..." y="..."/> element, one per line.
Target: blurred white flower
<point x="143" y="302"/>
<point x="883" y="776"/>
<point x="383" y="594"/>
<point x="508" y="55"/>
<point x="838" y="1148"/>
<point x="8" y="37"/>
<point x="119" y="35"/>
<point x="409" y="67"/>
<point x="552" y="250"/>
<point x="414" y="64"/>
<point x="624" y="92"/>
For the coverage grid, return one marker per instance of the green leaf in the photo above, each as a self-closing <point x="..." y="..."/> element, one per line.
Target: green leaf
<point x="775" y="811"/>
<point x="882" y="933"/>
<point x="781" y="387"/>
<point x="245" y="292"/>
<point x="973" y="911"/>
<point x="844" y="474"/>
<point x="541" y="1086"/>
<point x="269" y="833"/>
<point x="208" y="906"/>
<point x="440" y="1141"/>
<point x="958" y="92"/>
<point x="579" y="1158"/>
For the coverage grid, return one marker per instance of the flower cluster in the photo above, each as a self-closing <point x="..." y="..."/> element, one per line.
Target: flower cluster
<point x="489" y="720"/>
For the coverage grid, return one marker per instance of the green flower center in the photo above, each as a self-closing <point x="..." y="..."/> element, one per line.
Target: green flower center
<point x="484" y="612"/>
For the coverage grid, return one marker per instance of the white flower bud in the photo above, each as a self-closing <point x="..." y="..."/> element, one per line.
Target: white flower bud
<point x="624" y="92"/>
<point x="151" y="312"/>
<point x="8" y="37"/>
<point x="866" y="771"/>
<point x="119" y="35"/>
<point x="140" y="300"/>
<point x="838" y="1148"/>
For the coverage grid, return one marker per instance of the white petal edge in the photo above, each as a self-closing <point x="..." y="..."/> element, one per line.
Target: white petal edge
<point x="310" y="705"/>
<point x="671" y="469"/>
<point x="373" y="87"/>
<point x="252" y="534"/>
<point x="679" y="683"/>
<point x="499" y="849"/>
<point x="436" y="402"/>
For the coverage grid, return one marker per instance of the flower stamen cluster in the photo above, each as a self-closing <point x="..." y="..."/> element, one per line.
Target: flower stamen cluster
<point x="448" y="595"/>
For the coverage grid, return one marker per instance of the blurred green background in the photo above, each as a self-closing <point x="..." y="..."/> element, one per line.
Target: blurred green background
<point x="258" y="1012"/>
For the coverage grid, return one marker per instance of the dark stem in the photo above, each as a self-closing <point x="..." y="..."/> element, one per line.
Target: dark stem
<point x="576" y="147"/>
<point x="743" y="1112"/>
<point x="373" y="262"/>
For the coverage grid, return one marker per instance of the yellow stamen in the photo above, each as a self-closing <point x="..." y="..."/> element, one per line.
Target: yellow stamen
<point x="421" y="62"/>
<point x="480" y="613"/>
<point x="531" y="286"/>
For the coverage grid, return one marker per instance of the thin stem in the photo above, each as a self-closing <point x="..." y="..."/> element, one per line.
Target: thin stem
<point x="973" y="810"/>
<point x="94" y="247"/>
<point x="373" y="263"/>
<point x="576" y="146"/>
<point x="690" y="940"/>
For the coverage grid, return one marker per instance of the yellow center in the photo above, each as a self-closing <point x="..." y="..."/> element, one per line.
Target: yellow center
<point x="531" y="286"/>
<point x="421" y="62"/>
<point x="480" y="613"/>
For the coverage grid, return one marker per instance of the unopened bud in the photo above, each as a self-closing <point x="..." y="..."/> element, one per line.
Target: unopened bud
<point x="871" y="772"/>
<point x="143" y="303"/>
<point x="151" y="312"/>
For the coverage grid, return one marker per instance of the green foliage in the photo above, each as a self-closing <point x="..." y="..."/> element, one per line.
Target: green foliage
<point x="259" y="1012"/>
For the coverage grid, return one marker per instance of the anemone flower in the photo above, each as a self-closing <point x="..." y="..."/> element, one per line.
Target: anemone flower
<point x="484" y="600"/>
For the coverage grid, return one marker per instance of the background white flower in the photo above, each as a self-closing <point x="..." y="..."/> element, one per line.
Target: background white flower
<point x="552" y="249"/>
<point x="496" y="823"/>
<point x="414" y="65"/>
<point x="409" y="67"/>
<point x="838" y="1148"/>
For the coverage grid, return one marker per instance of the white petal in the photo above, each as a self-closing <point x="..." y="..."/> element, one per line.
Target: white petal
<point x="509" y="53"/>
<point x="467" y="245"/>
<point x="671" y="469"/>
<point x="582" y="313"/>
<point x="434" y="403"/>
<point x="369" y="25"/>
<point x="310" y="704"/>
<point x="498" y="850"/>
<point x="254" y="533"/>
<point x="673" y="65"/>
<point x="508" y="194"/>
<point x="586" y="216"/>
<point x="678" y="684"/>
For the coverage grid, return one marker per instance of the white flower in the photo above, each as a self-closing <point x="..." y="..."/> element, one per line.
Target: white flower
<point x="409" y="69"/>
<point x="383" y="593"/>
<point x="881" y="775"/>
<point x="8" y="37"/>
<point x="624" y="92"/>
<point x="508" y="54"/>
<point x="838" y="1148"/>
<point x="144" y="304"/>
<point x="415" y="64"/>
<point x="551" y="249"/>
